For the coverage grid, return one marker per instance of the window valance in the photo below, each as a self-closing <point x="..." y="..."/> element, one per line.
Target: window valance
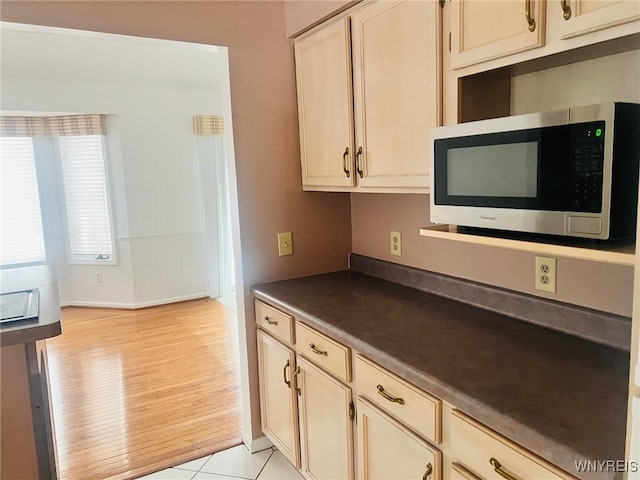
<point x="208" y="125"/>
<point x="59" y="126"/>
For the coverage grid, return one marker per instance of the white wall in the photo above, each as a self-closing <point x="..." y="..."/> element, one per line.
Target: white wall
<point x="153" y="174"/>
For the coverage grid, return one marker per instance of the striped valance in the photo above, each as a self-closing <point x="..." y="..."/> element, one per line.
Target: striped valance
<point x="60" y="126"/>
<point x="208" y="125"/>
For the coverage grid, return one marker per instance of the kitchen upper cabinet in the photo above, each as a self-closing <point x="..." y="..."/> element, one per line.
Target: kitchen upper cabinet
<point x="388" y="450"/>
<point x="278" y="403"/>
<point x="580" y="17"/>
<point x="396" y="96"/>
<point x="376" y="136"/>
<point x="326" y="434"/>
<point x="325" y="99"/>
<point x="484" y="30"/>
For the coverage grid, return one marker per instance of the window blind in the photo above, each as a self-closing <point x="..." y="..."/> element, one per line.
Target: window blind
<point x="85" y="193"/>
<point x="22" y="237"/>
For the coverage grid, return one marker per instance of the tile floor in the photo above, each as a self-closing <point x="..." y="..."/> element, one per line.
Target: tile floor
<point x="233" y="464"/>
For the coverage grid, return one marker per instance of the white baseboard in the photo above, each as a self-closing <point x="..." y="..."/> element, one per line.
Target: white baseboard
<point x="121" y="305"/>
<point x="134" y="306"/>
<point x="164" y="301"/>
<point x="257" y="444"/>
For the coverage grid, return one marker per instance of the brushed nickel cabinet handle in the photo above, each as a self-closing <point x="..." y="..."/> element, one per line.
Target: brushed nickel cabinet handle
<point x="497" y="467"/>
<point x="317" y="351"/>
<point x="296" y="372"/>
<point x="284" y="373"/>
<point x="270" y="322"/>
<point x="344" y="162"/>
<point x="428" y="472"/>
<point x="381" y="391"/>
<point x="527" y="12"/>
<point x="358" y="168"/>
<point x="566" y="9"/>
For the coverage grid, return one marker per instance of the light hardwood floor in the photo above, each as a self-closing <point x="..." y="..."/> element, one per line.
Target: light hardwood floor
<point x="138" y="391"/>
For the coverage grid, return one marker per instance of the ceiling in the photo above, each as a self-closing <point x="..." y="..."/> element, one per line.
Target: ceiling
<point x="51" y="53"/>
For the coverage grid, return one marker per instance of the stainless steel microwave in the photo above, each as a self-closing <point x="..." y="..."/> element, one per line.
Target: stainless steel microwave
<point x="571" y="172"/>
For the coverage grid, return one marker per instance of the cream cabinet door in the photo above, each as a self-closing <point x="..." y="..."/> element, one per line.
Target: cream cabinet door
<point x="326" y="432"/>
<point x="484" y="30"/>
<point x="387" y="450"/>
<point x="396" y="73"/>
<point x="580" y="17"/>
<point x="458" y="472"/>
<point x="325" y="112"/>
<point x="278" y="405"/>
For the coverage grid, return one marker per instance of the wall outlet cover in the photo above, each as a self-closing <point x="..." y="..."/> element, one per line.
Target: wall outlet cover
<point x="396" y="244"/>
<point x="545" y="274"/>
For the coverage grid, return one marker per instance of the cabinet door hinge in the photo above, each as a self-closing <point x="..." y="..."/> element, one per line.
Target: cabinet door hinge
<point x="352" y="411"/>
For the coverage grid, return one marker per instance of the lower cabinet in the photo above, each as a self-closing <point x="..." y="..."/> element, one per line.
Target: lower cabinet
<point x="387" y="450"/>
<point x="278" y="403"/>
<point x="326" y="432"/>
<point x="307" y="389"/>
<point x="305" y="410"/>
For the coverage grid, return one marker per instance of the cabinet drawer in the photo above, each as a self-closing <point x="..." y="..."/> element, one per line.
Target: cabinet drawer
<point x="415" y="408"/>
<point x="329" y="354"/>
<point x="477" y="447"/>
<point x="274" y="321"/>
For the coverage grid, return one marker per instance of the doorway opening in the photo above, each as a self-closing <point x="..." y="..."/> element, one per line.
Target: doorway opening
<point x="171" y="219"/>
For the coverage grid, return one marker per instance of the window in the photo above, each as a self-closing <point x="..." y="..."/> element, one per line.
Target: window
<point x="89" y="230"/>
<point x="22" y="237"/>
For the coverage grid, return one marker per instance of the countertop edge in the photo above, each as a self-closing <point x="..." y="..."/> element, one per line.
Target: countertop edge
<point x="30" y="334"/>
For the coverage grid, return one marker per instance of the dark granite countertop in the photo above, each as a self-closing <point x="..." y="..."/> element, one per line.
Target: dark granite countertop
<point x="47" y="325"/>
<point x="560" y="397"/>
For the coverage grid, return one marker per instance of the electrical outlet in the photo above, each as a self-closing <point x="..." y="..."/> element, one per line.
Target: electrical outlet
<point x="285" y="244"/>
<point x="396" y="244"/>
<point x="546" y="274"/>
<point x="98" y="277"/>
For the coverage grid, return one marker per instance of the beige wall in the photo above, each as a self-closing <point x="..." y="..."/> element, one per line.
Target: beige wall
<point x="301" y="14"/>
<point x="270" y="197"/>
<point x="612" y="78"/>
<point x="600" y="286"/>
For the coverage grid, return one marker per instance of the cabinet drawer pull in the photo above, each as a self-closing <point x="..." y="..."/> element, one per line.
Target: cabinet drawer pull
<point x="527" y="13"/>
<point x="284" y="374"/>
<point x="344" y="162"/>
<point x="497" y="467"/>
<point x="382" y="392"/>
<point x="428" y="472"/>
<point x="270" y="322"/>
<point x="566" y="10"/>
<point x="317" y="351"/>
<point x="358" y="168"/>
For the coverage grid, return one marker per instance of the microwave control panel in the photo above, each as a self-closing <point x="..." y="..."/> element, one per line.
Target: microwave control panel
<point x="587" y="162"/>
